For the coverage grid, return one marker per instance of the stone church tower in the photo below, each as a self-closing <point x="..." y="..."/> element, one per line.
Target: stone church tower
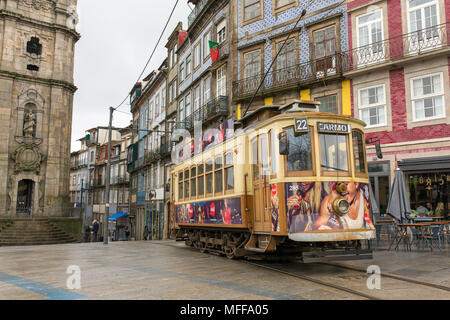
<point x="37" y="42"/>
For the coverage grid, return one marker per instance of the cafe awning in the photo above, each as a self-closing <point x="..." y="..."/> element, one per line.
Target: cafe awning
<point x="425" y="164"/>
<point x="116" y="216"/>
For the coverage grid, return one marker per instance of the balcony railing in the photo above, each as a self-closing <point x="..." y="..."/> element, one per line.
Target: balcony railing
<point x="311" y="71"/>
<point x="197" y="10"/>
<point x="208" y="112"/>
<point x="224" y="52"/>
<point x="152" y="156"/>
<point x="165" y="149"/>
<point x="404" y="46"/>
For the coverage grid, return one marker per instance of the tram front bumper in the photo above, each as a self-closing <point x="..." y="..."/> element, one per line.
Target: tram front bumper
<point x="333" y="235"/>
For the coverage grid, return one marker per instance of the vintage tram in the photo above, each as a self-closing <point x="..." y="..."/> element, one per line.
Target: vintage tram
<point x="284" y="179"/>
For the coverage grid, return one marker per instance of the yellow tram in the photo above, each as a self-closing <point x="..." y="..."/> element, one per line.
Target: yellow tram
<point x="286" y="179"/>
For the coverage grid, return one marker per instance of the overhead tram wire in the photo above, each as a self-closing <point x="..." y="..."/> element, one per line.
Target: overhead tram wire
<point x="153" y="52"/>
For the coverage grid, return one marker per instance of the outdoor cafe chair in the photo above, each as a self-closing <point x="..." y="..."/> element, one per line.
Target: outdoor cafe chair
<point x="446" y="233"/>
<point x="401" y="235"/>
<point x="433" y="235"/>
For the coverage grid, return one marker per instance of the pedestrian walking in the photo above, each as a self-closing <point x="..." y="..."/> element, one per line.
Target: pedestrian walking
<point x="127" y="233"/>
<point x="95" y="227"/>
<point x="146" y="233"/>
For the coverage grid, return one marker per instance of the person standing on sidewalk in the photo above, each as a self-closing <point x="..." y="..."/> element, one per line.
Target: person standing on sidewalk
<point x="95" y="227"/>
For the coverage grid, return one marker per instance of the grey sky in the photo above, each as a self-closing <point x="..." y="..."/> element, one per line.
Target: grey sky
<point x="117" y="38"/>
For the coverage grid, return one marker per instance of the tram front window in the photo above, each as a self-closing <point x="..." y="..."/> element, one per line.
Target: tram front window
<point x="300" y="151"/>
<point x="334" y="152"/>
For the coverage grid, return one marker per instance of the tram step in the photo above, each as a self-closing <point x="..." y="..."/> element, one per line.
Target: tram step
<point x="257" y="250"/>
<point x="261" y="243"/>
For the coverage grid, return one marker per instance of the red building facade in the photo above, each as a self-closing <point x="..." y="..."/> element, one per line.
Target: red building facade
<point x="399" y="67"/>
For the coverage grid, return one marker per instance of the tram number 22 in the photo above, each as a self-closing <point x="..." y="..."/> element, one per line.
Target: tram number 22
<point x="301" y="125"/>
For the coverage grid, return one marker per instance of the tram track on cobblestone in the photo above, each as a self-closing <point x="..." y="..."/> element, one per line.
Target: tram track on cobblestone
<point x="392" y="276"/>
<point x="297" y="274"/>
<point x="306" y="278"/>
<point x="316" y="281"/>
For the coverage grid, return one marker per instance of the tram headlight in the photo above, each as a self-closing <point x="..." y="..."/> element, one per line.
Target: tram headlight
<point x="341" y="187"/>
<point x="341" y="206"/>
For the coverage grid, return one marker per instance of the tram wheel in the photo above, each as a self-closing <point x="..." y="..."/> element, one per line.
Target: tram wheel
<point x="229" y="252"/>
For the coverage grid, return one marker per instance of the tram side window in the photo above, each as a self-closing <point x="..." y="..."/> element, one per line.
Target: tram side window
<point x="186" y="184"/>
<point x="180" y="185"/>
<point x="300" y="156"/>
<point x="209" y="177"/>
<point x="358" y="152"/>
<point x="334" y="152"/>
<point x="218" y="175"/>
<point x="229" y="172"/>
<point x="273" y="153"/>
<point x="255" y="159"/>
<point x="194" y="182"/>
<point x="201" y="180"/>
<point x="264" y="156"/>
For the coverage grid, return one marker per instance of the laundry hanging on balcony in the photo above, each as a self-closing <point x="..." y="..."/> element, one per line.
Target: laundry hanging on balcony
<point x="214" y="47"/>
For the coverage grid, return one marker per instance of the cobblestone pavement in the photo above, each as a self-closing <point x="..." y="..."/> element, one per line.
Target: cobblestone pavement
<point x="170" y="270"/>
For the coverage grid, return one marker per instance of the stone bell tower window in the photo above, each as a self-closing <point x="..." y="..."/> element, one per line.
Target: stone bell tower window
<point x="33" y="46"/>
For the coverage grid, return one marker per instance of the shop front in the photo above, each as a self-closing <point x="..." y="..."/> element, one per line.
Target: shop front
<point x="119" y="227"/>
<point x="428" y="185"/>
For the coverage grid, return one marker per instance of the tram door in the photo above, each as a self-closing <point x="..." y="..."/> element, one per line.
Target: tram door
<point x="261" y="186"/>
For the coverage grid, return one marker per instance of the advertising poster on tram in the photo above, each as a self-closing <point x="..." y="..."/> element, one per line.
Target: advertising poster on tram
<point x="309" y="207"/>
<point x="224" y="211"/>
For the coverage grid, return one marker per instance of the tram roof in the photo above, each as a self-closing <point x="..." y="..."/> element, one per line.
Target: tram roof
<point x="304" y="108"/>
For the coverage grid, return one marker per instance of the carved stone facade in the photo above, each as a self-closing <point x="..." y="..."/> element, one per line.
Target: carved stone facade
<point x="37" y="42"/>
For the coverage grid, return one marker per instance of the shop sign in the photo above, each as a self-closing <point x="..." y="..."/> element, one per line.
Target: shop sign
<point x="429" y="181"/>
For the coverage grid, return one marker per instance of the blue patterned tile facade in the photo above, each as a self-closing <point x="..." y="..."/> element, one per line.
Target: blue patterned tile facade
<point x="272" y="21"/>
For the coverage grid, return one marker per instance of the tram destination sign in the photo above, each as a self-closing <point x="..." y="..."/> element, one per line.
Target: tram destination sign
<point x="328" y="127"/>
<point x="301" y="125"/>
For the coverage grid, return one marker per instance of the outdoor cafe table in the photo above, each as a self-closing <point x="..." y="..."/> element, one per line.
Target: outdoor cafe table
<point x="428" y="219"/>
<point x="401" y="232"/>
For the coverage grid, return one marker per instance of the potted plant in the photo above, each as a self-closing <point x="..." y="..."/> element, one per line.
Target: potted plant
<point x="440" y="209"/>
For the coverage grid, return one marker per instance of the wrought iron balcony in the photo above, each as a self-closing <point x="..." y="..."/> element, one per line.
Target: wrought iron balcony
<point x="152" y="156"/>
<point x="407" y="45"/>
<point x="165" y="149"/>
<point x="224" y="52"/>
<point x="301" y="74"/>
<point x="208" y="112"/>
<point x="196" y="11"/>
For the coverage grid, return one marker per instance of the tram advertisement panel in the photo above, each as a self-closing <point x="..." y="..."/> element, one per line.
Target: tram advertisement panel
<point x="309" y="207"/>
<point x="224" y="211"/>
